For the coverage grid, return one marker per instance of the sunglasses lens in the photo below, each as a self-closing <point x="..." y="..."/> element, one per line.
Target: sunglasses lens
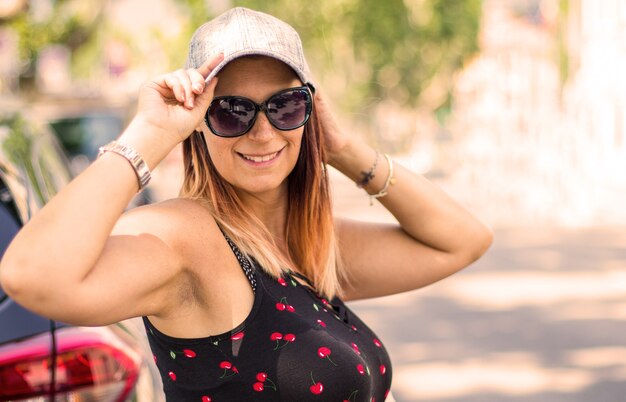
<point x="290" y="109"/>
<point x="230" y="117"/>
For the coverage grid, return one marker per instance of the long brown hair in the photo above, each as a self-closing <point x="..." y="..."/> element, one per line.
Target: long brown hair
<point x="310" y="230"/>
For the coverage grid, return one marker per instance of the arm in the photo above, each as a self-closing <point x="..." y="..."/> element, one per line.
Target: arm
<point x="65" y="263"/>
<point x="434" y="237"/>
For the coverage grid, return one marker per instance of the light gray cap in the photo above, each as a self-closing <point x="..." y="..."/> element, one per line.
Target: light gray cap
<point x="243" y="32"/>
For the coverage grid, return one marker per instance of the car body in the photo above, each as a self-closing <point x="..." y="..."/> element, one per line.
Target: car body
<point x="41" y="359"/>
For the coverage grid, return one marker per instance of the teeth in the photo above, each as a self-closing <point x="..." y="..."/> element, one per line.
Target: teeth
<point x="263" y="158"/>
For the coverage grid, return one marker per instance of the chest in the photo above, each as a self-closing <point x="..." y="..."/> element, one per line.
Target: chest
<point x="292" y="346"/>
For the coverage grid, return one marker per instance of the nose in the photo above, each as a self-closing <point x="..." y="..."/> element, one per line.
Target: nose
<point x="262" y="129"/>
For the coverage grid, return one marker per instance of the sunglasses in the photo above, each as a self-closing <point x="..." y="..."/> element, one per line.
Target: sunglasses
<point x="233" y="116"/>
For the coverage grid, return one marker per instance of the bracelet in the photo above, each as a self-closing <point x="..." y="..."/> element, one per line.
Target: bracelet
<point x="390" y="181"/>
<point x="369" y="175"/>
<point x="132" y="156"/>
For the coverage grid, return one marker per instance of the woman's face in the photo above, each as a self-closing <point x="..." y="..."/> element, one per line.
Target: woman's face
<point x="259" y="161"/>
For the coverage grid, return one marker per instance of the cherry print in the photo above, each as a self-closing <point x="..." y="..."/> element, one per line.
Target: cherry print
<point x="260" y="386"/>
<point x="282" y="281"/>
<point x="352" y="395"/>
<point x="276" y="336"/>
<point x="324" y="352"/>
<point x="373" y="399"/>
<point x="386" y="393"/>
<point x="352" y="327"/>
<point x="283" y="305"/>
<point x="317" y="387"/>
<point x="189" y="353"/>
<point x="237" y="337"/>
<point x="321" y="323"/>
<point x="355" y="347"/>
<point x="172" y="375"/>
<point x="377" y="343"/>
<point x="206" y="399"/>
<point x="324" y="302"/>
<point x="316" y="307"/>
<point x="382" y="369"/>
<point x="360" y="369"/>
<point x="290" y="337"/>
<point x="155" y="359"/>
<point x="226" y="365"/>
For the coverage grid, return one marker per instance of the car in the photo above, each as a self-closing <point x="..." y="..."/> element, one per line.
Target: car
<point x="43" y="359"/>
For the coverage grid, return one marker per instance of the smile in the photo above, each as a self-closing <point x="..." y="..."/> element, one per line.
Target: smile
<point x="260" y="158"/>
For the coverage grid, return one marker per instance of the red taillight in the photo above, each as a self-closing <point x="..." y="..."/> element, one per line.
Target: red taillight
<point x="92" y="364"/>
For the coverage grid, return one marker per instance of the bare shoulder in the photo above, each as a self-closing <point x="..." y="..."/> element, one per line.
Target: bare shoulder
<point x="185" y="225"/>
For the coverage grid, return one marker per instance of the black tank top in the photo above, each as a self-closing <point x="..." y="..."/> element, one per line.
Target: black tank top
<point x="293" y="346"/>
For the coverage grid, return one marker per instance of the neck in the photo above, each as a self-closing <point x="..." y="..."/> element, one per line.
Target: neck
<point x="271" y="209"/>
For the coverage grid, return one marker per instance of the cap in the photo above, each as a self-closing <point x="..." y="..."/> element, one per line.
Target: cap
<point x="243" y="32"/>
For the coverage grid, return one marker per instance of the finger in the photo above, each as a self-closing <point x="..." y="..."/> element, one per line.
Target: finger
<point x="197" y="80"/>
<point x="185" y="82"/>
<point x="173" y="82"/>
<point x="203" y="99"/>
<point x="208" y="66"/>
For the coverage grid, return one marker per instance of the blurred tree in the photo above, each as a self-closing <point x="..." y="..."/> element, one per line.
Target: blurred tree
<point x="72" y="23"/>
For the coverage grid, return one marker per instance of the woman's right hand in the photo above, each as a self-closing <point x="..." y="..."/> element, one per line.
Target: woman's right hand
<point x="174" y="104"/>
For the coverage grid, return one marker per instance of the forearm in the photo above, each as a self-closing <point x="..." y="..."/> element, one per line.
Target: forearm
<point x="422" y="209"/>
<point x="65" y="239"/>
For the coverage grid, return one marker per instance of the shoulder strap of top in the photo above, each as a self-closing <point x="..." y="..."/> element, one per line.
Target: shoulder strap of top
<point x="244" y="261"/>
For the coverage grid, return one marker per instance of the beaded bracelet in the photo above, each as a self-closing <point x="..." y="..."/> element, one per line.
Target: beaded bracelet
<point x="390" y="181"/>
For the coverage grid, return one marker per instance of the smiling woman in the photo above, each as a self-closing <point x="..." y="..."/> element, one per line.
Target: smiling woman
<point x="241" y="280"/>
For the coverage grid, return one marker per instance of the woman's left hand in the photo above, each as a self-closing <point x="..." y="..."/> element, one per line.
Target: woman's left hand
<point x="334" y="138"/>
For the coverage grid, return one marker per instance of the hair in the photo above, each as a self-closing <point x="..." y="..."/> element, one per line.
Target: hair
<point x="311" y="241"/>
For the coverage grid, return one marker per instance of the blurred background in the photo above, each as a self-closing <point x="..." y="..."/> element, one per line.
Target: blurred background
<point x="517" y="108"/>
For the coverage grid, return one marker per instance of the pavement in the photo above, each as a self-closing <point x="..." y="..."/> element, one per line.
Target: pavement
<point x="541" y="317"/>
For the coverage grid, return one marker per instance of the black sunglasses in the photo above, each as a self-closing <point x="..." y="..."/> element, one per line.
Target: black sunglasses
<point x="233" y="116"/>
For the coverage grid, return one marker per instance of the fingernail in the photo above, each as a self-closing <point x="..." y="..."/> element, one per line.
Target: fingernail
<point x="197" y="87"/>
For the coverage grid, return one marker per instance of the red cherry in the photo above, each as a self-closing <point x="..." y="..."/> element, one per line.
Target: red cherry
<point x="356" y="348"/>
<point x="235" y="370"/>
<point x="323" y="351"/>
<point x="377" y="342"/>
<point x="382" y="369"/>
<point x="226" y="365"/>
<point x="324" y="302"/>
<point x="172" y="375"/>
<point x="321" y="323"/>
<point x="282" y="281"/>
<point x="189" y="353"/>
<point x="258" y="386"/>
<point x="291" y="308"/>
<point x="280" y="306"/>
<point x="360" y="369"/>
<point x="261" y="377"/>
<point x="353" y="328"/>
<point x="276" y="336"/>
<point x="237" y="336"/>
<point x="290" y="337"/>
<point x="317" y="388"/>
<point x="206" y="399"/>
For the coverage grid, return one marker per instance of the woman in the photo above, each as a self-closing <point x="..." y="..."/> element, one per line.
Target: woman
<point x="241" y="279"/>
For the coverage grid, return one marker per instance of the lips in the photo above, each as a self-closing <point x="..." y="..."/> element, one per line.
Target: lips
<point x="259" y="158"/>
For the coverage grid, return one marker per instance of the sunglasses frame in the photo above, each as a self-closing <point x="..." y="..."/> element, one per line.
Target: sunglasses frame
<point x="262" y="107"/>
